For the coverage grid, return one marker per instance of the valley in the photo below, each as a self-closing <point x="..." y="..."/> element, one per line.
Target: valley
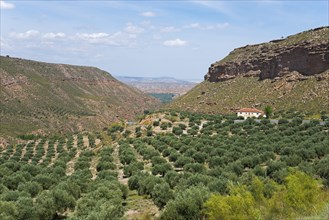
<point x="77" y="143"/>
<point x="165" y="89"/>
<point x="159" y="85"/>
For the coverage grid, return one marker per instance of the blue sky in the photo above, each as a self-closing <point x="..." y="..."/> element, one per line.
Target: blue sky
<point x="149" y="38"/>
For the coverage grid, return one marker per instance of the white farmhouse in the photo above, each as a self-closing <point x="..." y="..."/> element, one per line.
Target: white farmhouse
<point x="250" y="112"/>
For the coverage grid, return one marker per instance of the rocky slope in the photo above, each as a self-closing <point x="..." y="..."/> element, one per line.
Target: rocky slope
<point x="306" y="53"/>
<point x="43" y="97"/>
<point x="291" y="74"/>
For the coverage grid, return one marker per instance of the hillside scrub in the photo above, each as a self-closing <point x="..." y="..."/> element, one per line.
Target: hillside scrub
<point x="300" y="195"/>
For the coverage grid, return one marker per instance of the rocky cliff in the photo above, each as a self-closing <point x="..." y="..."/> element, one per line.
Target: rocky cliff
<point x="304" y="54"/>
<point x="290" y="74"/>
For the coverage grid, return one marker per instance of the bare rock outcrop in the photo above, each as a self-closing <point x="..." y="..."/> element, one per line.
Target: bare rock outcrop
<point x="306" y="53"/>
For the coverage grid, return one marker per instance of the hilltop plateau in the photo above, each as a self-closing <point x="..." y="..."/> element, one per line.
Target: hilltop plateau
<point x="287" y="74"/>
<point x="43" y="97"/>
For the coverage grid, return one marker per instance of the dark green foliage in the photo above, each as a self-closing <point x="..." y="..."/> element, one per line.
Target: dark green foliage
<point x="158" y="160"/>
<point x="187" y="204"/>
<point x="33" y="188"/>
<point x="172" y="178"/>
<point x="12" y="181"/>
<point x="164" y="126"/>
<point x="161" y="194"/>
<point x="26" y="208"/>
<point x="322" y="169"/>
<point x="268" y="111"/>
<point x="138" y="134"/>
<point x="177" y="131"/>
<point x="133" y="182"/>
<point x="8" y="210"/>
<point x="133" y="168"/>
<point x="156" y="123"/>
<point x="163" y="97"/>
<point x="161" y="169"/>
<point x="147" y="184"/>
<point x="212" y="157"/>
<point x="127" y="156"/>
<point x="105" y="165"/>
<point x="46" y="181"/>
<point x="45" y="205"/>
<point x="104" y="202"/>
<point x="194" y="167"/>
<point x="182" y="161"/>
<point x="116" y="128"/>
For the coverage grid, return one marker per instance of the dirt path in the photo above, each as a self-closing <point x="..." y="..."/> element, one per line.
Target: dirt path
<point x="54" y="158"/>
<point x="23" y="151"/>
<point x="97" y="142"/>
<point x="147" y="164"/>
<point x="85" y="141"/>
<point x="70" y="164"/>
<point x="93" y="167"/>
<point x="34" y="151"/>
<point x="13" y="153"/>
<point x="75" y="141"/>
<point x="65" y="145"/>
<point x="119" y="166"/>
<point x="138" y="207"/>
<point x="45" y="147"/>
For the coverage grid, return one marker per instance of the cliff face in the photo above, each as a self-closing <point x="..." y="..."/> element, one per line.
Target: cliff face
<point x="306" y="53"/>
<point x="290" y="74"/>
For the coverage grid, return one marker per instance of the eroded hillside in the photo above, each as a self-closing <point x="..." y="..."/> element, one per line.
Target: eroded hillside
<point x="287" y="74"/>
<point x="306" y="53"/>
<point x="43" y="97"/>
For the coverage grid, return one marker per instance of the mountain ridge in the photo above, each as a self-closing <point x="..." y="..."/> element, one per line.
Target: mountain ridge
<point x="43" y="97"/>
<point x="158" y="84"/>
<point x="306" y="53"/>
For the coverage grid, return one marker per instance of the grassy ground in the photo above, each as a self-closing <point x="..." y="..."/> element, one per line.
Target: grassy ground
<point x="140" y="207"/>
<point x="309" y="96"/>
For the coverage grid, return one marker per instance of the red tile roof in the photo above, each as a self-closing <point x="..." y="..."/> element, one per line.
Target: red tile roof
<point x="251" y="110"/>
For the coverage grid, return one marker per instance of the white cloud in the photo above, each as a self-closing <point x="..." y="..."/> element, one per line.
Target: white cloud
<point x="93" y="37"/>
<point x="168" y="29"/>
<point x="116" y="39"/>
<point x="148" y="14"/>
<point x="25" y="35"/>
<point x="54" y="35"/>
<point x="6" y="5"/>
<point x="175" y="43"/>
<point x="4" y="44"/>
<point x="132" y="29"/>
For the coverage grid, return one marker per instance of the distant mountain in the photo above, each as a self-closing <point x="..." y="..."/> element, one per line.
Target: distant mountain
<point x="44" y="97"/>
<point x="158" y="84"/>
<point x="287" y="74"/>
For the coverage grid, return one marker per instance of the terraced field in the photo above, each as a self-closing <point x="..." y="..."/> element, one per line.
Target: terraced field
<point x="170" y="165"/>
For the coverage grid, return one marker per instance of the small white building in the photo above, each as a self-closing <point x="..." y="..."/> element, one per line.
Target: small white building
<point x="250" y="112"/>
